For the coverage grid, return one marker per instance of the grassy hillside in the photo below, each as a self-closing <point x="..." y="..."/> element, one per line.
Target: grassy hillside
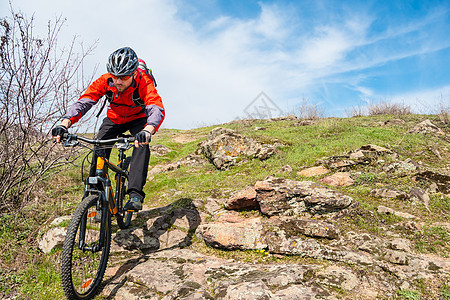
<point x="32" y="275"/>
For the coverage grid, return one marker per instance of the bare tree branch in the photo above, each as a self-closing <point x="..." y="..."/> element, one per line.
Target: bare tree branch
<point x="37" y="81"/>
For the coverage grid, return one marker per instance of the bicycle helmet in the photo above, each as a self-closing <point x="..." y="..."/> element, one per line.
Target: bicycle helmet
<point x="123" y="61"/>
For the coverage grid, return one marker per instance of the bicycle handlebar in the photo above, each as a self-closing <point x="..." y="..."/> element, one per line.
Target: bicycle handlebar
<point x="96" y="142"/>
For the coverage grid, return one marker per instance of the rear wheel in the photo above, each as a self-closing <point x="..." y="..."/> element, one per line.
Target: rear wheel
<point x="124" y="217"/>
<point x="85" y="252"/>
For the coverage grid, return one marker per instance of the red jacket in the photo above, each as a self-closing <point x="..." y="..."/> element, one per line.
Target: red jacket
<point x="122" y="109"/>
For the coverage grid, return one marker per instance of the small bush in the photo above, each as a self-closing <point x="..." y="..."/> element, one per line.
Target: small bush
<point x="444" y="114"/>
<point x="307" y="111"/>
<point x="384" y="108"/>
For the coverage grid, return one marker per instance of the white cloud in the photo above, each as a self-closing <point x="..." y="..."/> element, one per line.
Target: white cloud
<point x="208" y="73"/>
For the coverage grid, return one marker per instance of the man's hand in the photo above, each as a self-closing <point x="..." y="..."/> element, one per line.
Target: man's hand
<point x="145" y="136"/>
<point x="142" y="138"/>
<point x="58" y="131"/>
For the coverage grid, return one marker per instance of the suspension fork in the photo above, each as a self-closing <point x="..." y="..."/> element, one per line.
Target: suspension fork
<point x="101" y="171"/>
<point x="104" y="203"/>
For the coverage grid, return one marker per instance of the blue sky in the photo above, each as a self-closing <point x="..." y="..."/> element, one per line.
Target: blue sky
<point x="212" y="58"/>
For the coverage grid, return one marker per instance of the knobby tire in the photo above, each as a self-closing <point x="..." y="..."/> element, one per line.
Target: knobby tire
<point x="124" y="218"/>
<point x="82" y="271"/>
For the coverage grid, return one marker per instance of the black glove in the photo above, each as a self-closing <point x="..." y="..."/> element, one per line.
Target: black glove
<point x="143" y="136"/>
<point x="59" y="130"/>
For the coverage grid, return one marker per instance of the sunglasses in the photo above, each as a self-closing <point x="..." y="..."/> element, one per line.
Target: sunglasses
<point x="123" y="77"/>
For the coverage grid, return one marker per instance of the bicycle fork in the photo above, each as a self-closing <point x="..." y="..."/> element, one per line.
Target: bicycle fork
<point x="102" y="206"/>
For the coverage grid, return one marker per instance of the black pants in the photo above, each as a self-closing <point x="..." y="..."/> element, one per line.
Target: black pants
<point x="139" y="159"/>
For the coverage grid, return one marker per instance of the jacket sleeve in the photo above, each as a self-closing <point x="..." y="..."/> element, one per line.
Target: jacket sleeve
<point x="154" y="108"/>
<point x="89" y="98"/>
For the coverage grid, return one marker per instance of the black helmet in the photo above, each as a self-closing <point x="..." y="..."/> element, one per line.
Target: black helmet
<point x="123" y="61"/>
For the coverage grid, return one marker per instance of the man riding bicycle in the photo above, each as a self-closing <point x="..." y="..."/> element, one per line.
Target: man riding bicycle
<point x="134" y="105"/>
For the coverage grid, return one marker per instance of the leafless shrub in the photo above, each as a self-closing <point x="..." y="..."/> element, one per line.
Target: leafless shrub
<point x="385" y="108"/>
<point x="37" y="80"/>
<point x="307" y="111"/>
<point x="357" y="111"/>
<point x="444" y="114"/>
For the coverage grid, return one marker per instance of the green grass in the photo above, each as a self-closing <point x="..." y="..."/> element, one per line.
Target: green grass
<point x="409" y="295"/>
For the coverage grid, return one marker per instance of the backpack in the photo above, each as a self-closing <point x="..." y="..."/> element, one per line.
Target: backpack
<point x="136" y="98"/>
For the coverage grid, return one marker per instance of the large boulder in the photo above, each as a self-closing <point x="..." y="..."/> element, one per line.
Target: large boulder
<point x="247" y="234"/>
<point x="279" y="196"/>
<point x="224" y="147"/>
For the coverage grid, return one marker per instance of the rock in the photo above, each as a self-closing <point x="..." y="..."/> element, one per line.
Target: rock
<point x="426" y="127"/>
<point x="159" y="150"/>
<point x="388" y="211"/>
<point x="389" y="194"/>
<point x="365" y="242"/>
<point x="278" y="196"/>
<point x="162" y="229"/>
<point x="52" y="239"/>
<point x="338" y="277"/>
<point x="394" y="122"/>
<point x="214" y="207"/>
<point x="285" y="169"/>
<point x="420" y="195"/>
<point x="232" y="236"/>
<point x="396" y="257"/>
<point x="192" y="160"/>
<point x="371" y="149"/>
<point x="410" y="226"/>
<point x="364" y="155"/>
<point x="224" y="146"/>
<point x="255" y="290"/>
<point x="294" y="227"/>
<point x="314" y="171"/>
<point x="441" y="180"/>
<point x="338" y="179"/>
<point x="400" y="244"/>
<point x="279" y="243"/>
<point x="162" y="169"/>
<point x="244" y="199"/>
<point x="304" y="123"/>
<point x="337" y="162"/>
<point x="284" y="118"/>
<point x="406" y="166"/>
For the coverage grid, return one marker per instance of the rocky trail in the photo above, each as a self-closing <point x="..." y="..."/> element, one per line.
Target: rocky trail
<point x="281" y="238"/>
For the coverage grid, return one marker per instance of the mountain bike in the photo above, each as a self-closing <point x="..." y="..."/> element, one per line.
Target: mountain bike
<point x="88" y="240"/>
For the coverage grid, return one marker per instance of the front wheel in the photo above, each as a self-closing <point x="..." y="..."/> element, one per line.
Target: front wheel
<point x="123" y="217"/>
<point x="86" y="250"/>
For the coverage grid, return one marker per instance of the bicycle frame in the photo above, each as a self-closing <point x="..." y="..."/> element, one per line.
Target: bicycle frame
<point x="107" y="198"/>
<point x="102" y="176"/>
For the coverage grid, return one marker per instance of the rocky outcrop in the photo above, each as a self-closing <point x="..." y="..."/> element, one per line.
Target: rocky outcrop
<point x="186" y="274"/>
<point x="297" y="234"/>
<point x="426" y="127"/>
<point x="363" y="156"/>
<point x="279" y="196"/>
<point x="442" y="181"/>
<point x="224" y="147"/>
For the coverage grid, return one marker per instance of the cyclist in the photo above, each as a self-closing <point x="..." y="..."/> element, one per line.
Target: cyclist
<point x="123" y="83"/>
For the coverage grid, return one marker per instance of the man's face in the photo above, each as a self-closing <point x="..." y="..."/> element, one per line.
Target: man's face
<point x="122" y="82"/>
